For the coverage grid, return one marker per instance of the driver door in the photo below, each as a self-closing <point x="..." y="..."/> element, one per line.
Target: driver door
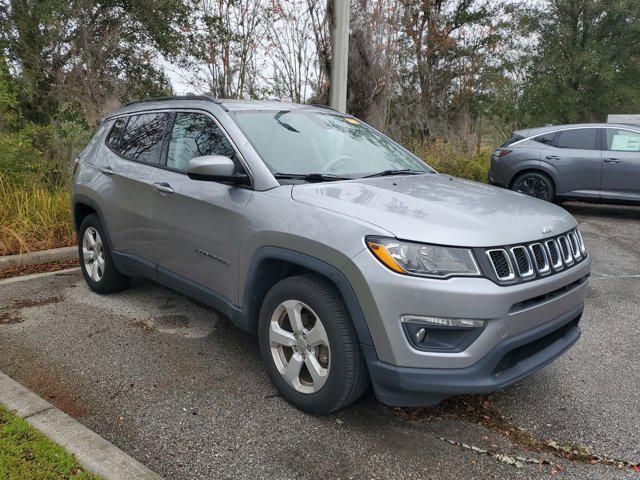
<point x="196" y="225"/>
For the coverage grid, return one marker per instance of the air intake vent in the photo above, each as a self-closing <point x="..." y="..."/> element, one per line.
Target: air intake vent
<point x="575" y="245"/>
<point x="501" y="264"/>
<point x="567" y="257"/>
<point x="554" y="254"/>
<point x="523" y="261"/>
<point x="540" y="258"/>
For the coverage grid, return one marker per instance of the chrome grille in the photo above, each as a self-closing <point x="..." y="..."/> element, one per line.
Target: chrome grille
<point x="567" y="257"/>
<point x="531" y="260"/>
<point x="501" y="264"/>
<point x="540" y="258"/>
<point x="554" y="254"/>
<point x="575" y="245"/>
<point x="523" y="261"/>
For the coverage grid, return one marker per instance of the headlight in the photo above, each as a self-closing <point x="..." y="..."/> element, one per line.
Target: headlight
<point x="423" y="260"/>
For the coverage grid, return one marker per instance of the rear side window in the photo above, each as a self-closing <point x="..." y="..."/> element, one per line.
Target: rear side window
<point x="142" y="138"/>
<point x="579" y="138"/>
<point x="513" y="139"/>
<point x="546" y="139"/>
<point x="116" y="133"/>
<point x="622" y="140"/>
<point x="194" y="135"/>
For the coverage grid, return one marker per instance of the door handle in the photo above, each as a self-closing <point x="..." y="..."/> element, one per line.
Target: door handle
<point x="107" y="170"/>
<point x="552" y="157"/>
<point x="163" y="188"/>
<point x="611" y="160"/>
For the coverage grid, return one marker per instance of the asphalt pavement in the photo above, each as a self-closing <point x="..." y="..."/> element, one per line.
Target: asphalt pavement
<point x="177" y="387"/>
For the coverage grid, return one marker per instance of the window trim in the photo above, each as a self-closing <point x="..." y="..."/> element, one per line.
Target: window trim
<point x="603" y="138"/>
<point x="162" y="164"/>
<point x="128" y="119"/>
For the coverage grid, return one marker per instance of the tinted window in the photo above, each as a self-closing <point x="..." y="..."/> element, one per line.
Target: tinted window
<point x="622" y="140"/>
<point x="116" y="133"/>
<point x="546" y="139"/>
<point x="142" y="138"/>
<point x="581" y="138"/>
<point x="513" y="139"/>
<point x="194" y="135"/>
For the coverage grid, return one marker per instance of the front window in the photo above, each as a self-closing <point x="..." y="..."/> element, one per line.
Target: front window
<point x="618" y="140"/>
<point x="303" y="142"/>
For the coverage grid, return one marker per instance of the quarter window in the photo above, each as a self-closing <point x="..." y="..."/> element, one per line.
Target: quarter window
<point x="195" y="135"/>
<point x="143" y="136"/>
<point x="622" y="140"/>
<point x="579" y="138"/>
<point x="546" y="139"/>
<point x="116" y="133"/>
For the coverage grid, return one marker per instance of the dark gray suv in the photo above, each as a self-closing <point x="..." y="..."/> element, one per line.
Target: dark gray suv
<point x="589" y="162"/>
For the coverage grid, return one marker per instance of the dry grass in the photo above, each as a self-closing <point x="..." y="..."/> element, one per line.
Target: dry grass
<point x="446" y="158"/>
<point x="33" y="217"/>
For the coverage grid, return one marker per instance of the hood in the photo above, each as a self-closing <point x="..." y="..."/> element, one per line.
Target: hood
<point x="439" y="209"/>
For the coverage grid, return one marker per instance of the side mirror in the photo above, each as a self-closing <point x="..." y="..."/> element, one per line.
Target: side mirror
<point x="215" y="168"/>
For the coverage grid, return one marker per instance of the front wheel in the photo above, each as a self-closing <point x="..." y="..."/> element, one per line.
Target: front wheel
<point x="535" y="185"/>
<point x="309" y="345"/>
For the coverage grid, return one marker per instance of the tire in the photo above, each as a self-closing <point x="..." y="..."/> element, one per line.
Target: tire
<point x="535" y="184"/>
<point x="346" y="376"/>
<point x="107" y="279"/>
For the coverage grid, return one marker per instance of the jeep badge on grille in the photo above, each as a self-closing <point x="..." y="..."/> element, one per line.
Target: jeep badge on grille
<point x="547" y="228"/>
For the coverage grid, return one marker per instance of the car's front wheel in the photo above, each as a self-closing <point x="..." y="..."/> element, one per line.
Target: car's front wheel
<point x="309" y="345"/>
<point x="95" y="258"/>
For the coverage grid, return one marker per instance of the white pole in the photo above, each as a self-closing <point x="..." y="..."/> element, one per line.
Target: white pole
<point x="339" y="55"/>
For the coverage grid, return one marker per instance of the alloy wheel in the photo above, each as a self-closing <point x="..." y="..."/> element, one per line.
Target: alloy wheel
<point x="93" y="254"/>
<point x="533" y="186"/>
<point x="299" y="346"/>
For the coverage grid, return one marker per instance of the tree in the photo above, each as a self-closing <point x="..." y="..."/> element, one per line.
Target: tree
<point x="586" y="62"/>
<point x="92" y="53"/>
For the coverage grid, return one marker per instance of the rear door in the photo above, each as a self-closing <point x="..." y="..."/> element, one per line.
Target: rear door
<point x="620" y="163"/>
<point x="196" y="225"/>
<point x="577" y="158"/>
<point x="135" y="146"/>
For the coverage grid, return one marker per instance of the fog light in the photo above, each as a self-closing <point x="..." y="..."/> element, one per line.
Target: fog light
<point x="444" y="321"/>
<point x="441" y="333"/>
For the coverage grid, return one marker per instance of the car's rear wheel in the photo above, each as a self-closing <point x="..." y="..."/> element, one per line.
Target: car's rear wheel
<point x="535" y="185"/>
<point x="309" y="345"/>
<point x="95" y="258"/>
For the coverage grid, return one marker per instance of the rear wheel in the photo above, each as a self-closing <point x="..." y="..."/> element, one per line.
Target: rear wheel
<point x="309" y="345"/>
<point x="95" y="258"/>
<point x="536" y="185"/>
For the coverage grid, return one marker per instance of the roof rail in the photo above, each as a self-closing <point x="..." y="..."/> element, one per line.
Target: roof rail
<point x="175" y="97"/>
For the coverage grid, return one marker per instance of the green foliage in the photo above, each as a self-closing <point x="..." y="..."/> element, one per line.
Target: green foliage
<point x="447" y="159"/>
<point x="42" y="154"/>
<point x="586" y="63"/>
<point x="25" y="454"/>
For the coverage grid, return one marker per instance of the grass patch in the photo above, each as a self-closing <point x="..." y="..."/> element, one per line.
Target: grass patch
<point x="34" y="217"/>
<point x="26" y="454"/>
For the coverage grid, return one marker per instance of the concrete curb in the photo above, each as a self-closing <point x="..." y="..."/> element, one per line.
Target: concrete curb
<point x="92" y="451"/>
<point x="35" y="258"/>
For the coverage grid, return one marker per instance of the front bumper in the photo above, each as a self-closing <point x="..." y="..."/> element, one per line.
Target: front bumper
<point x="508" y="362"/>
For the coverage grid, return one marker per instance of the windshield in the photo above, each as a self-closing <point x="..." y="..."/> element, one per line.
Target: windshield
<point x="303" y="142"/>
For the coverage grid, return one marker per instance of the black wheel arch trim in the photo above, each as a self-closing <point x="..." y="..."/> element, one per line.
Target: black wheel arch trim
<point x="79" y="199"/>
<point x="251" y="309"/>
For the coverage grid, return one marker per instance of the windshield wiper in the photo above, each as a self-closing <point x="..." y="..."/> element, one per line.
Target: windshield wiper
<point x="392" y="171"/>
<point x="311" y="177"/>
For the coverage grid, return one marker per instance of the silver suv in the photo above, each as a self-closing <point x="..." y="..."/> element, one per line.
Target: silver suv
<point x="594" y="162"/>
<point x="352" y="260"/>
